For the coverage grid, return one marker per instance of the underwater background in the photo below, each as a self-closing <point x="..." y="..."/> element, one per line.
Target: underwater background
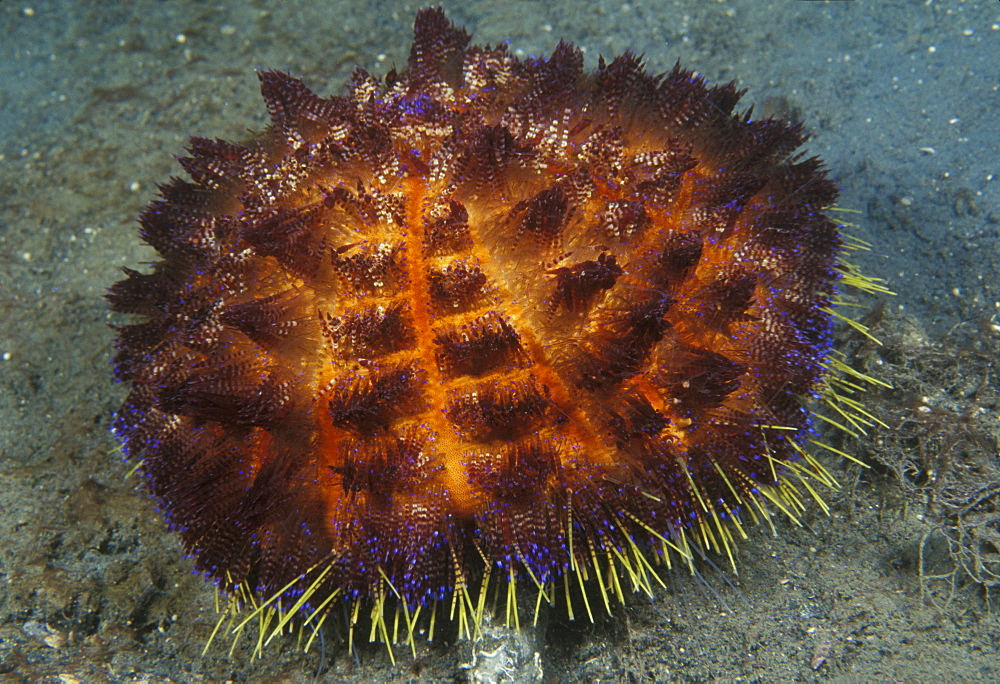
<point x="902" y="101"/>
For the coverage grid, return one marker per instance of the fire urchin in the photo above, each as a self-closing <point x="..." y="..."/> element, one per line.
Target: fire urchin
<point x="489" y="321"/>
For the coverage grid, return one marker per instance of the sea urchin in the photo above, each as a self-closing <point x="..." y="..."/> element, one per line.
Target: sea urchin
<point x="488" y="318"/>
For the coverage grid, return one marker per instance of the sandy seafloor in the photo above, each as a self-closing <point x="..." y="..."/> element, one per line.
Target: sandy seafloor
<point x="95" y="99"/>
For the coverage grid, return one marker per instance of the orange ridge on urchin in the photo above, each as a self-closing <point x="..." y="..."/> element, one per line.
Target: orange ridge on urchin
<point x="490" y="317"/>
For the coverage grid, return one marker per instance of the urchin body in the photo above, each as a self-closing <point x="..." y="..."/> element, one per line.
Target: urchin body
<point x="491" y="317"/>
